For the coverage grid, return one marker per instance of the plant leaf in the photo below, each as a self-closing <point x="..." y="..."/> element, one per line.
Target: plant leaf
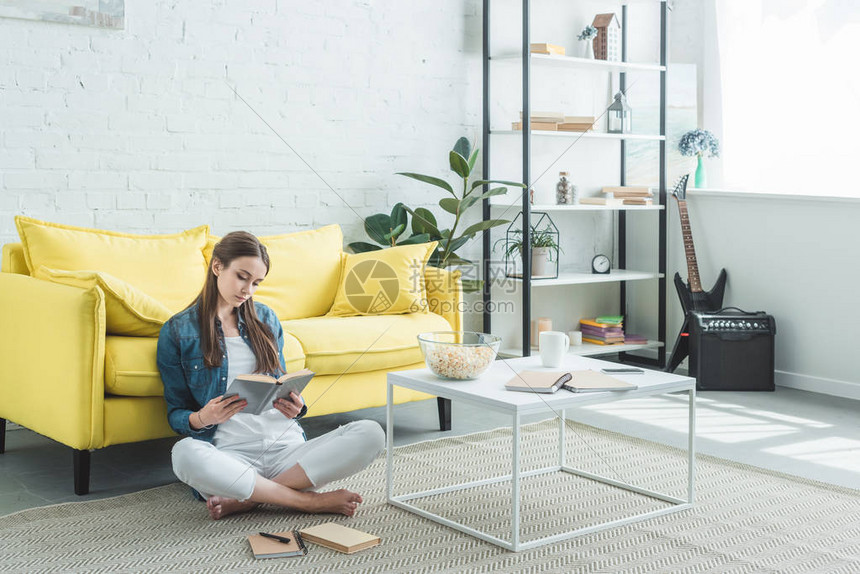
<point x="482" y="225"/>
<point x="454" y="259"/>
<point x="431" y="180"/>
<point x="395" y="233"/>
<point x="458" y="243"/>
<point x="459" y="165"/>
<point x="423" y="221"/>
<point x="468" y="202"/>
<point x="472" y="285"/>
<point x="472" y="159"/>
<point x="494" y="191"/>
<point x="377" y="227"/>
<point x="398" y="215"/>
<point x="463" y="147"/>
<point x="449" y="204"/>
<point x="362" y="247"/>
<point x="415" y="239"/>
<point x="480" y="182"/>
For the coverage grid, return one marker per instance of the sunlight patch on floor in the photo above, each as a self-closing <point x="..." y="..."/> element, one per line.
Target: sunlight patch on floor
<point x="835" y="452"/>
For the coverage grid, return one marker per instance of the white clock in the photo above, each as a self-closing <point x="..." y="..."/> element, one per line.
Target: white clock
<point x="600" y="264"/>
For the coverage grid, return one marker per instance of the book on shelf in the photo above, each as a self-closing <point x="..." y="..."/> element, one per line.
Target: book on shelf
<point x="628" y="191"/>
<point x="264" y="547"/>
<point x="579" y="120"/>
<point x="571" y="127"/>
<point x="607" y="201"/>
<point x="638" y="201"/>
<point x="594" y="323"/>
<point x="261" y="390"/>
<point x="543" y="48"/>
<point x="545" y="126"/>
<point x="614" y="330"/>
<point x="538" y="381"/>
<point x="338" y="537"/>
<point x="610" y="319"/>
<point x="635" y="339"/>
<point x="600" y="341"/>
<point x="548" y="117"/>
<point x="573" y="381"/>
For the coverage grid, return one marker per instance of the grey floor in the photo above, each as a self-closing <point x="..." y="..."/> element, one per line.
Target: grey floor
<point x="796" y="432"/>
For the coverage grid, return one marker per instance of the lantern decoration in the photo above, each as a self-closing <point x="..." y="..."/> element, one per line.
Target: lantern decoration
<point x="619" y="116"/>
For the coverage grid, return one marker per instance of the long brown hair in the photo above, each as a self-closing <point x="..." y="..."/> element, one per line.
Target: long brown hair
<point x="233" y="245"/>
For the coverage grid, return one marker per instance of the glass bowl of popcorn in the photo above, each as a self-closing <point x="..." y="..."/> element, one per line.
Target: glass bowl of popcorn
<point x="458" y="355"/>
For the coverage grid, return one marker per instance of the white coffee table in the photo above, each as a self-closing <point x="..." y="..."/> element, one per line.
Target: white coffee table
<point x="488" y="392"/>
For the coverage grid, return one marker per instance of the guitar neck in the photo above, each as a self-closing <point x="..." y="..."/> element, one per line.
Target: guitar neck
<point x="689" y="249"/>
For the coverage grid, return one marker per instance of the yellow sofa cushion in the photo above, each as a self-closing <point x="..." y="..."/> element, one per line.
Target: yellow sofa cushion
<point x="385" y="282"/>
<point x="128" y="311"/>
<point x="131" y="371"/>
<point x="304" y="271"/>
<point x="336" y="345"/>
<point x="169" y="268"/>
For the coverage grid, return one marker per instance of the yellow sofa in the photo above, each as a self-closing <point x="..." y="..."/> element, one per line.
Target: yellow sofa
<point x="66" y="377"/>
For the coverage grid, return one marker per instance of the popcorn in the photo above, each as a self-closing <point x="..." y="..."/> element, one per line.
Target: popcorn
<point x="458" y="362"/>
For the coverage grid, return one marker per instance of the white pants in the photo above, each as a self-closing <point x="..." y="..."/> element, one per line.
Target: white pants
<point x="231" y="470"/>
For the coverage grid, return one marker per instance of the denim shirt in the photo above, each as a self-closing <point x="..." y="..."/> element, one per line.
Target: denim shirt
<point x="188" y="384"/>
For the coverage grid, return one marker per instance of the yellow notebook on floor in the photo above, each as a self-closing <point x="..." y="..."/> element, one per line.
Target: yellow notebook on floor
<point x="267" y="547"/>
<point x="340" y="538"/>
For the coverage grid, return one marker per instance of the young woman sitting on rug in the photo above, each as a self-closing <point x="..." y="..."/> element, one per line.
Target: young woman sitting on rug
<point x="238" y="460"/>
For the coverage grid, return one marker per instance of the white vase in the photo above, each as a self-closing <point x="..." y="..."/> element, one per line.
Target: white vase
<point x="589" y="49"/>
<point x="541" y="262"/>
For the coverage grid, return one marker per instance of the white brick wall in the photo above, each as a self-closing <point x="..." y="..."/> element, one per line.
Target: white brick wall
<point x="139" y="130"/>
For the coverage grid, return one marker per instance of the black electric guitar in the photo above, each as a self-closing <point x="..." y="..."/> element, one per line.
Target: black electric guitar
<point x="692" y="297"/>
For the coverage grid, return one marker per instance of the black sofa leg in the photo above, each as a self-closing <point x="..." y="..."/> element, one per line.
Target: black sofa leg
<point x="444" y="406"/>
<point x="82" y="471"/>
<point x="2" y="436"/>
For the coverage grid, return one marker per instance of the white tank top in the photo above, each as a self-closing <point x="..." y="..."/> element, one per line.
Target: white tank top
<point x="246" y="429"/>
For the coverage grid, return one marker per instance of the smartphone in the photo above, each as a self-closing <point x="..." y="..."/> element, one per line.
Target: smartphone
<point x="623" y="371"/>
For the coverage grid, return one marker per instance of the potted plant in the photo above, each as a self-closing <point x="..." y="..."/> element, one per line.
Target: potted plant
<point x="544" y="246"/>
<point x="386" y="230"/>
<point x="588" y="34"/>
<point x="696" y="143"/>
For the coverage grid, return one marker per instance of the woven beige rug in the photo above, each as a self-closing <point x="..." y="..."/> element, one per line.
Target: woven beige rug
<point x="745" y="519"/>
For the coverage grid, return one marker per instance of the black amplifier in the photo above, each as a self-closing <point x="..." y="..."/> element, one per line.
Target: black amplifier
<point x="732" y="350"/>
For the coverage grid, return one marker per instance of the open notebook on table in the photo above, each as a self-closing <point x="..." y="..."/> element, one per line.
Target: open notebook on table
<point x="574" y="381"/>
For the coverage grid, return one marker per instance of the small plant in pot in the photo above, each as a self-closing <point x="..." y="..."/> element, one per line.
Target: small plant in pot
<point x="544" y="246"/>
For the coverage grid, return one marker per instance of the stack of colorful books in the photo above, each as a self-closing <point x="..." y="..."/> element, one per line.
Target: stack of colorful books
<point x="606" y="330"/>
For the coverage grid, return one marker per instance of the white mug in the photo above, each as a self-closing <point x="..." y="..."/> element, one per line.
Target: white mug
<point x="553" y="346"/>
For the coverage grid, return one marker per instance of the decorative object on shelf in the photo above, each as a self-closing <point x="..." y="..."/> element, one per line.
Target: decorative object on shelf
<point x="696" y="143"/>
<point x="619" y="116"/>
<point x="95" y="14"/>
<point x="600" y="264"/>
<point x="539" y="325"/>
<point x="550" y="49"/>
<point x="531" y="196"/>
<point x="607" y="44"/>
<point x="588" y="34"/>
<point x="387" y="229"/>
<point x="563" y="190"/>
<point x="544" y="247"/>
<point x="575" y="337"/>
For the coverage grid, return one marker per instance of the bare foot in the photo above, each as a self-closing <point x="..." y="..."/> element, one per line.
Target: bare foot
<point x="219" y="506"/>
<point x="338" y="501"/>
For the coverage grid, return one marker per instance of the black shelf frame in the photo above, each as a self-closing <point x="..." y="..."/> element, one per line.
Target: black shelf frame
<point x="627" y="357"/>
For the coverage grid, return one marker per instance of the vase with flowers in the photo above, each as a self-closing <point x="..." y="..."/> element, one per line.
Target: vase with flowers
<point x="588" y="34"/>
<point x="697" y="143"/>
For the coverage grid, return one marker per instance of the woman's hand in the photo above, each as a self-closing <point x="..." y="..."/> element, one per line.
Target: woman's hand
<point x="217" y="411"/>
<point x="289" y="408"/>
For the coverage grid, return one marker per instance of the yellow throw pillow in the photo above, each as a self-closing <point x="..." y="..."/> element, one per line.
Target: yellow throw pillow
<point x="304" y="270"/>
<point x="169" y="268"/>
<point x="384" y="282"/>
<point x="128" y="311"/>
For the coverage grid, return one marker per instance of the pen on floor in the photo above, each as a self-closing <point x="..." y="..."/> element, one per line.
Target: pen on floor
<point x="276" y="537"/>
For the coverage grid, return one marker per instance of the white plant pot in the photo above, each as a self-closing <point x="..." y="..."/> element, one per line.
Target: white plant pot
<point x="542" y="262"/>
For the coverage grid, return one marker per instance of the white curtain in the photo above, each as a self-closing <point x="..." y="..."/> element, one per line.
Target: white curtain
<point x="790" y="85"/>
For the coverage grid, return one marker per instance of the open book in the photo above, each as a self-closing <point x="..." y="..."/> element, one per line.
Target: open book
<point x="262" y="390"/>
<point x="573" y="381"/>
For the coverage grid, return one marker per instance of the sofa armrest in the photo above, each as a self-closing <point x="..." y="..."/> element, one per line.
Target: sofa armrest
<point x="52" y="348"/>
<point x="445" y="295"/>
